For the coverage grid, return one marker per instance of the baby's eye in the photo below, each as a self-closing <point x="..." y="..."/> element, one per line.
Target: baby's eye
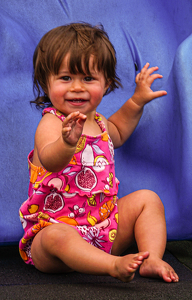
<point x="66" y="78"/>
<point x="88" y="78"/>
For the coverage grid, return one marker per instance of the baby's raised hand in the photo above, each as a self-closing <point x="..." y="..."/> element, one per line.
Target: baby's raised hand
<point x="72" y="127"/>
<point x="143" y="92"/>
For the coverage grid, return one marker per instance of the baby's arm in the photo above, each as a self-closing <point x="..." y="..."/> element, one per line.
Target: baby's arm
<point x="56" y="142"/>
<point x="122" y="123"/>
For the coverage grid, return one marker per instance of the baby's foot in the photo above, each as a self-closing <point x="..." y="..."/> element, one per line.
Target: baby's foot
<point x="126" y="266"/>
<point x="157" y="268"/>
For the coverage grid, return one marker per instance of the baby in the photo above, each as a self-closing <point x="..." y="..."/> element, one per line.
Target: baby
<point x="73" y="219"/>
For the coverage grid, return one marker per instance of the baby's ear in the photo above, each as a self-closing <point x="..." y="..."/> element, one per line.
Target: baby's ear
<point x="107" y="85"/>
<point x="45" y="89"/>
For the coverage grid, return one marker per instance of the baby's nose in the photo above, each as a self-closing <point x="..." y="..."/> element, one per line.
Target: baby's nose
<point x="77" y="86"/>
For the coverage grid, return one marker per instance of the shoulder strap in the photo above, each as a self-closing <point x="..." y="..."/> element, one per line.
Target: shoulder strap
<point x="53" y="111"/>
<point x="100" y="122"/>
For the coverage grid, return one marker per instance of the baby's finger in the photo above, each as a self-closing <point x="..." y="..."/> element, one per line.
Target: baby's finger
<point x="158" y="94"/>
<point x="81" y="121"/>
<point x="152" y="70"/>
<point x="66" y="130"/>
<point x="144" y="72"/>
<point x="144" y="69"/>
<point x="153" y="77"/>
<point x="71" y="117"/>
<point x="137" y="78"/>
<point x="146" y="66"/>
<point x="82" y="116"/>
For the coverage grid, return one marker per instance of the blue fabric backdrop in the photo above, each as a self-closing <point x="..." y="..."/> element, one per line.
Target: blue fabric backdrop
<point x="158" y="155"/>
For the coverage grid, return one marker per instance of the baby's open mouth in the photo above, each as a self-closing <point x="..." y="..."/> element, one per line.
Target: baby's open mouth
<point x="76" y="100"/>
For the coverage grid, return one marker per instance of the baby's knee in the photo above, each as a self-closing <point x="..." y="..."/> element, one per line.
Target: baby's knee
<point x="152" y="199"/>
<point x="52" y="234"/>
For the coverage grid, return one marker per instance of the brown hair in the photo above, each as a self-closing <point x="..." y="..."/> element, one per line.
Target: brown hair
<point x="81" y="40"/>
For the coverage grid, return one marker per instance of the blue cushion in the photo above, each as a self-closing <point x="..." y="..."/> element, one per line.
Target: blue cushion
<point x="158" y="154"/>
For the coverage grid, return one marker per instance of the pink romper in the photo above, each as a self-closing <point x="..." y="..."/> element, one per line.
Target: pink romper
<point x="83" y="194"/>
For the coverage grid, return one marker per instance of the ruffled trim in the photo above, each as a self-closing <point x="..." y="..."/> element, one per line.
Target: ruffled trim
<point x="44" y="188"/>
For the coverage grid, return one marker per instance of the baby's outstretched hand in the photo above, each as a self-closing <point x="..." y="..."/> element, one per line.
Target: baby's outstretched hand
<point x="72" y="127"/>
<point x="143" y="92"/>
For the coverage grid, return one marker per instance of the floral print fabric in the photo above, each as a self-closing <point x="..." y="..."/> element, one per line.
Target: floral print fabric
<point x="82" y="195"/>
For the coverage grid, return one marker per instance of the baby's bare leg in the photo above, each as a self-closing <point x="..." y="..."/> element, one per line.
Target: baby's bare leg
<point x="141" y="217"/>
<point x="60" y="248"/>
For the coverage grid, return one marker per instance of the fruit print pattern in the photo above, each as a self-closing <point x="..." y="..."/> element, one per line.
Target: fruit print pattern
<point x="82" y="195"/>
<point x="106" y="209"/>
<point x="54" y="202"/>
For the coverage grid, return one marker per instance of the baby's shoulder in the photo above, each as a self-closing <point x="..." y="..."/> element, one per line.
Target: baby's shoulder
<point x="48" y="123"/>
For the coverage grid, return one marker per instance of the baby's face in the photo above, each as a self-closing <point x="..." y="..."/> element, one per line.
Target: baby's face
<point x="77" y="92"/>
